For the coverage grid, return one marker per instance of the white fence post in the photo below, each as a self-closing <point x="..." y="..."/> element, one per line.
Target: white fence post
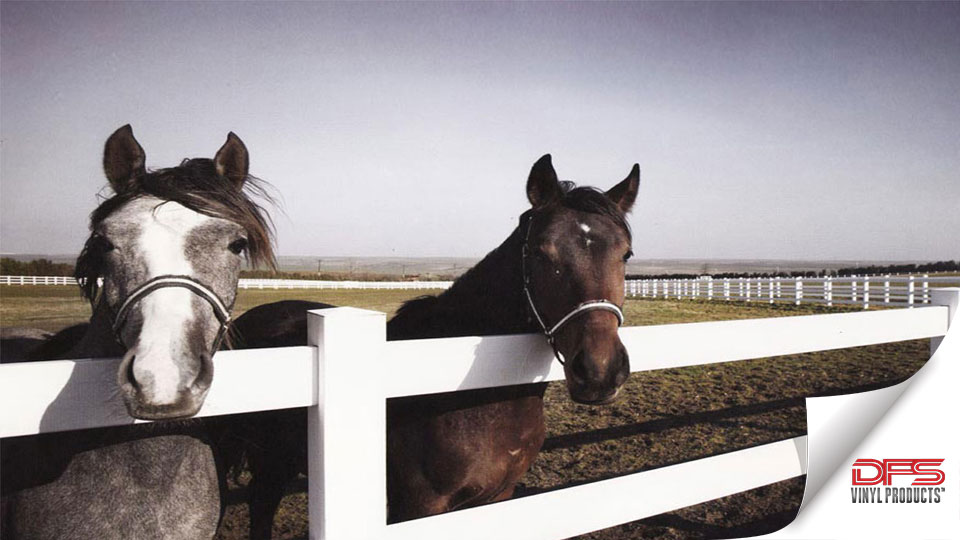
<point x="710" y="289"/>
<point x="866" y="292"/>
<point x="926" y="289"/>
<point x="726" y="289"/>
<point x="911" y="285"/>
<point x="886" y="290"/>
<point x="798" y="290"/>
<point x="347" y="428"/>
<point x="770" y="289"/>
<point x="828" y="291"/>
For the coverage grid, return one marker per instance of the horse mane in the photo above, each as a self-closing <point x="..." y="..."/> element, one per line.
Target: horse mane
<point x="196" y="185"/>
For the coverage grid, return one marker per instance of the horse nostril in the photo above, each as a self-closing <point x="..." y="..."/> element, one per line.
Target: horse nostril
<point x="130" y="377"/>
<point x="205" y="374"/>
<point x="579" y="369"/>
<point x="624" y="372"/>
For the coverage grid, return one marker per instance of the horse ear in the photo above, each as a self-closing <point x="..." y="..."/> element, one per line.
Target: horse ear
<point x="232" y="160"/>
<point x="123" y="160"/>
<point x="542" y="185"/>
<point x="625" y="193"/>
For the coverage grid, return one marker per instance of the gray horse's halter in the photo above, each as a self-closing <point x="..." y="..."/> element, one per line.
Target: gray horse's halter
<point x="220" y="309"/>
<point x="581" y="308"/>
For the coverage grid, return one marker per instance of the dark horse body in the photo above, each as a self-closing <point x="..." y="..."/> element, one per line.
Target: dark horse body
<point x="455" y="450"/>
<point x="168" y="247"/>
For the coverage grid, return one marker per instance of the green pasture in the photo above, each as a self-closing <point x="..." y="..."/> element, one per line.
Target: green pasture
<point x="53" y="307"/>
<point x="663" y="417"/>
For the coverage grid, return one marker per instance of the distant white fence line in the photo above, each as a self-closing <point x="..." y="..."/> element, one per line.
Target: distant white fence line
<point x="853" y="290"/>
<point x="37" y="280"/>
<point x="830" y="291"/>
<point x="246" y="283"/>
<point x="347" y="428"/>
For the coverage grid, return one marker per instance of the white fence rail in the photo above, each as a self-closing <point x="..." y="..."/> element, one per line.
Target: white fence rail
<point x="860" y="291"/>
<point x="317" y="284"/>
<point x="37" y="280"/>
<point x="831" y="291"/>
<point x="247" y="283"/>
<point x="347" y="480"/>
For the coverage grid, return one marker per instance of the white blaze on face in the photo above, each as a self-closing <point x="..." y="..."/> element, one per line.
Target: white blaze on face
<point x="586" y="229"/>
<point x="167" y="312"/>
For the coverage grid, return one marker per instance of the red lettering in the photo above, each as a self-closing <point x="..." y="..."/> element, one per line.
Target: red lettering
<point x="921" y="466"/>
<point x="859" y="480"/>
<point x="870" y="472"/>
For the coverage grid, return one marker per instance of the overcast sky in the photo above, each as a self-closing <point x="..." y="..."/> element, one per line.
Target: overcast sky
<point x="771" y="130"/>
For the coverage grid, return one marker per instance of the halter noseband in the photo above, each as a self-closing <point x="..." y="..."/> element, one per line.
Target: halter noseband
<point x="581" y="308"/>
<point x="185" y="282"/>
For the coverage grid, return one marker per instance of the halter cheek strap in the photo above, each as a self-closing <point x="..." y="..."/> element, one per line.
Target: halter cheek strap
<point x="583" y="307"/>
<point x="185" y="282"/>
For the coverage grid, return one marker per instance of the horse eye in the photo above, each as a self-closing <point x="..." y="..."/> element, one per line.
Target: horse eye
<point x="101" y="244"/>
<point x="627" y="256"/>
<point x="238" y="245"/>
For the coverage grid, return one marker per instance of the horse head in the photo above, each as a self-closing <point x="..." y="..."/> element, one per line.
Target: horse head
<point x="162" y="262"/>
<point x="576" y="246"/>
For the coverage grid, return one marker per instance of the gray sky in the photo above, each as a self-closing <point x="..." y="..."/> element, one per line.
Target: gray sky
<point x="763" y="130"/>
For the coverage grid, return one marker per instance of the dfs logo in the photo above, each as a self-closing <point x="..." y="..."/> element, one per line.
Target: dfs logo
<point x="924" y="473"/>
<point x="870" y="472"/>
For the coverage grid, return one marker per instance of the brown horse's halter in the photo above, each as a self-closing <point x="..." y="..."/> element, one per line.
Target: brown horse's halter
<point x="185" y="282"/>
<point x="581" y="308"/>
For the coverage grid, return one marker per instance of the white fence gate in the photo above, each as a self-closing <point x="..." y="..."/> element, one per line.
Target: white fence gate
<point x="347" y="447"/>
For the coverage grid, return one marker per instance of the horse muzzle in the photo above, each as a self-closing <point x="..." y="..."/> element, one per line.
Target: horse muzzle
<point x="156" y="395"/>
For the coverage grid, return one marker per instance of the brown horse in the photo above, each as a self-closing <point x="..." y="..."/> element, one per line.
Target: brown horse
<point x="561" y="272"/>
<point x="167" y="248"/>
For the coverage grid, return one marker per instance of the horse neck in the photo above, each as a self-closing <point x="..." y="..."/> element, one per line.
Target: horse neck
<point x="487" y="299"/>
<point x="99" y="341"/>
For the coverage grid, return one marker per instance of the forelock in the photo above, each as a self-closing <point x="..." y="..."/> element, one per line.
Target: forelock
<point x="594" y="201"/>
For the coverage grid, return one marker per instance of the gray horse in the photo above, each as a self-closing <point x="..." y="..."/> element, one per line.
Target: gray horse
<point x="160" y="269"/>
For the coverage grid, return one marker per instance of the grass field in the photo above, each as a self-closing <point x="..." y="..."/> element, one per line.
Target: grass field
<point x="53" y="307"/>
<point x="664" y="417"/>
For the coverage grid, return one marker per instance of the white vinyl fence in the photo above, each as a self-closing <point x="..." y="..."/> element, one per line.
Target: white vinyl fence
<point x="349" y="369"/>
<point x="861" y="291"/>
<point x="317" y="284"/>
<point x="246" y="283"/>
<point x="37" y="280"/>
<point x="831" y="291"/>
